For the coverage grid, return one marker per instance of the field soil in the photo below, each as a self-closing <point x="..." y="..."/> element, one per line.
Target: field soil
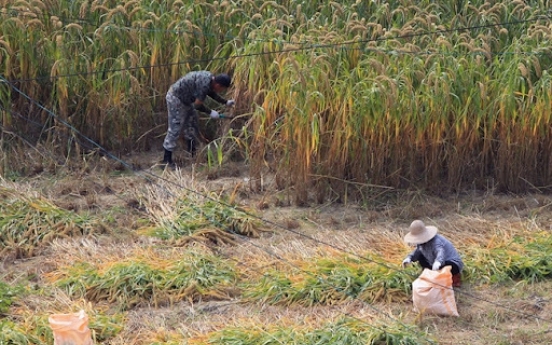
<point x="513" y="313"/>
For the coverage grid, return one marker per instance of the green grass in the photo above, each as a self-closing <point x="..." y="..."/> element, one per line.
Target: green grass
<point x="7" y="295"/>
<point x="343" y="332"/>
<point x="149" y="280"/>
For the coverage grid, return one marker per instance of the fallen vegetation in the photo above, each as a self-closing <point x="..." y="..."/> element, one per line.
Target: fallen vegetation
<point x="332" y="274"/>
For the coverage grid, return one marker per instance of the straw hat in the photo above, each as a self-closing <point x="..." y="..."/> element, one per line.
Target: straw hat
<point x="419" y="233"/>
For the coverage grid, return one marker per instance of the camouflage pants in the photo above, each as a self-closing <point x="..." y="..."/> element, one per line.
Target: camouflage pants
<point x="183" y="119"/>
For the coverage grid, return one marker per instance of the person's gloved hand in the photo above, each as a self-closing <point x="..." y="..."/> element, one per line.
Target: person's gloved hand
<point x="436" y="266"/>
<point x="230" y="102"/>
<point x="214" y="114"/>
<point x="406" y="262"/>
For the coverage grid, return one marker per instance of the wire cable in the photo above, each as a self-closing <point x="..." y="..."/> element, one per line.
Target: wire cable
<point x="306" y="47"/>
<point x="318" y="277"/>
<point x="309" y="47"/>
<point x="152" y="177"/>
<point x="216" y="222"/>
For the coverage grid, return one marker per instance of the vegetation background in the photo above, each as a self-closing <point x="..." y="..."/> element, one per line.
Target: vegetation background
<point x="332" y="97"/>
<point x="371" y="113"/>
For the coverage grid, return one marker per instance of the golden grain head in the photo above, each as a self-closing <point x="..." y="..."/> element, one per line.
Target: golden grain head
<point x="257" y="16"/>
<point x="35" y="23"/>
<point x="73" y="26"/>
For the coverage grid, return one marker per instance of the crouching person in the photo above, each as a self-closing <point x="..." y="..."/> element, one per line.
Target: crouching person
<point x="433" y="251"/>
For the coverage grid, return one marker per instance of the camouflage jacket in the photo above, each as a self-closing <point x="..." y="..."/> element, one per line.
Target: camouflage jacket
<point x="195" y="86"/>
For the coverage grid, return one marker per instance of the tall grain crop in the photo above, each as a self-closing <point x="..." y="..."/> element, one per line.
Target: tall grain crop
<point x="345" y="98"/>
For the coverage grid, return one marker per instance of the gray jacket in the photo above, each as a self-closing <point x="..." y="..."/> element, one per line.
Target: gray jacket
<point x="437" y="249"/>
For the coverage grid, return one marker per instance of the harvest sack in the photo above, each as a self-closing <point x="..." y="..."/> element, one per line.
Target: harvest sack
<point x="432" y="292"/>
<point x="70" y="329"/>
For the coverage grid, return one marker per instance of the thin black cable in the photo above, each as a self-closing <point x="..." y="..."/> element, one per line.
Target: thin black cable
<point x="200" y="194"/>
<point x="24" y="118"/>
<point x="383" y="264"/>
<point x="45" y="15"/>
<point x="321" y="279"/>
<point x="28" y="143"/>
<point x="289" y="50"/>
<point x="66" y="124"/>
<point x="337" y="289"/>
<point x="426" y="33"/>
<point x="207" y="60"/>
<point x="44" y="153"/>
<point x="318" y="277"/>
<point x="47" y="153"/>
<point x="32" y="14"/>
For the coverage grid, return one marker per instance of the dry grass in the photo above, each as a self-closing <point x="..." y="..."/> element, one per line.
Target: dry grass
<point x="508" y="313"/>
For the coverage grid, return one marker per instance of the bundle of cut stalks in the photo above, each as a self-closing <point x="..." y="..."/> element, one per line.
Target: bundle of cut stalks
<point x="29" y="224"/>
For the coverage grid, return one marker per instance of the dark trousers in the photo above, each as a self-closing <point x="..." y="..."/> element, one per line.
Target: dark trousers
<point x="182" y="119"/>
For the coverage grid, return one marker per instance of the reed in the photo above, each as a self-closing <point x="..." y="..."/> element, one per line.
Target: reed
<point x="365" y="93"/>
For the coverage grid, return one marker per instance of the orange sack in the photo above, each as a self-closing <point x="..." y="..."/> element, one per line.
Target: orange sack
<point x="432" y="292"/>
<point x="71" y="329"/>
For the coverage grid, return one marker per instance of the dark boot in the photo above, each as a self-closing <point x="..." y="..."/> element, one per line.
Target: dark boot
<point x="457" y="280"/>
<point x="191" y="147"/>
<point x="167" y="159"/>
